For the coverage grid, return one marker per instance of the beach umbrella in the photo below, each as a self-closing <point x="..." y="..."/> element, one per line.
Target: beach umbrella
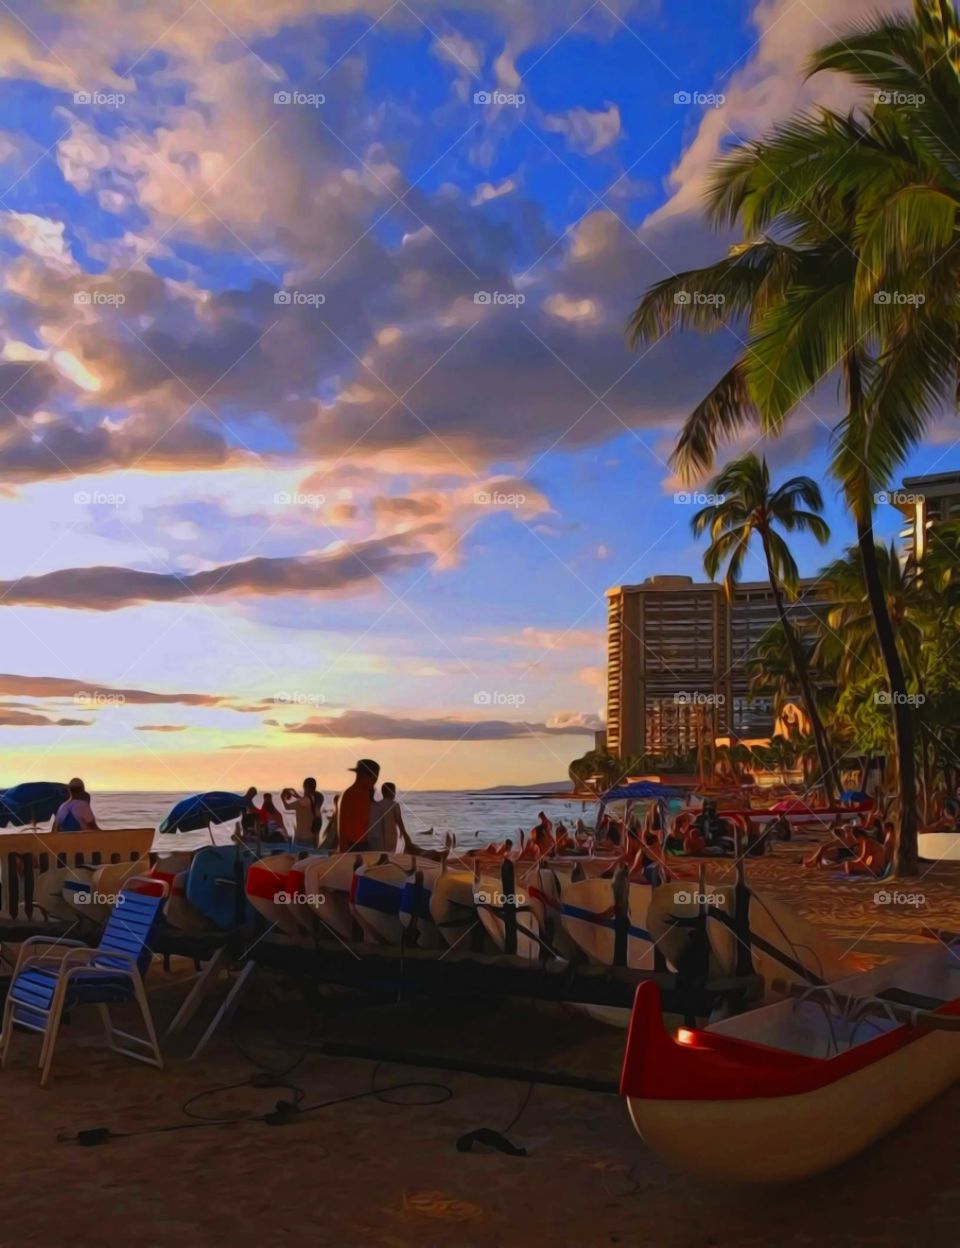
<point x="642" y="790"/>
<point x="192" y="814"/>
<point x="33" y="802"/>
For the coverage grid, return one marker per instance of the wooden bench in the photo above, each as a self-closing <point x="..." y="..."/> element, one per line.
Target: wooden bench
<point x="28" y="852"/>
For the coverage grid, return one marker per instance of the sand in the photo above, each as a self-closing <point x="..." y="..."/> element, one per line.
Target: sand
<point x="372" y="1173"/>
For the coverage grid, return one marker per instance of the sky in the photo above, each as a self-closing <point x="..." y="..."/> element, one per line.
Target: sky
<point x="320" y="437"/>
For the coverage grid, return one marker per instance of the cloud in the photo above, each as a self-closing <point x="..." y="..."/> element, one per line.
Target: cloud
<point x="110" y="588"/>
<point x="463" y="54"/>
<point x="28" y="719"/>
<point x="584" y="131"/>
<point x="94" y="692"/>
<point x="42" y="237"/>
<point x="370" y="726"/>
<point x="488" y="191"/>
<point x="570" y="721"/>
<point x="555" y="638"/>
<point x="771" y="85"/>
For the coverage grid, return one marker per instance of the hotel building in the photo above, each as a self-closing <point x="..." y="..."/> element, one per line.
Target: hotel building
<point x="677" y="652"/>
<point x="926" y="502"/>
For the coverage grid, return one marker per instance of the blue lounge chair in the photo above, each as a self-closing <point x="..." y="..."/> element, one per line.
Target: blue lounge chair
<point x="69" y="973"/>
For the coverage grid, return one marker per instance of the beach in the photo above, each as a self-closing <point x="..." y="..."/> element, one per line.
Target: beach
<point x="376" y="1173"/>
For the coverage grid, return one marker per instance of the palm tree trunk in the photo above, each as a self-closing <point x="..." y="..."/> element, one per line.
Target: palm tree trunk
<point x="799" y="660"/>
<point x="906" y="861"/>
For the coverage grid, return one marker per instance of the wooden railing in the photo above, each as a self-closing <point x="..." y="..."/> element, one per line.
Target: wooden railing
<point x="28" y="853"/>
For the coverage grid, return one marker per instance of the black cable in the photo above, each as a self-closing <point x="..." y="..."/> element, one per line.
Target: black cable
<point x="520" y="1112"/>
<point x="282" y="1113"/>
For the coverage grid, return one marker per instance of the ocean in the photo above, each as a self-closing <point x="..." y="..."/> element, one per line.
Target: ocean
<point x="475" y="820"/>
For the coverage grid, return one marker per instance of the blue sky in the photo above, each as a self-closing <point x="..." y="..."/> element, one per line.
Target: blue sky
<point x="319" y="434"/>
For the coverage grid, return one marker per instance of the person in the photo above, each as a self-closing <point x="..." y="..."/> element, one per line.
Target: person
<point x="271" y="820"/>
<point x="845" y="847"/>
<point x="249" y="816"/>
<point x="875" y="856"/>
<point x="308" y="812"/>
<point x="541" y="835"/>
<point x="394" y="836"/>
<point x="327" y="842"/>
<point x="354" y="810"/>
<point x="780" y="829"/>
<point x="76" y="813"/>
<point x="386" y="823"/>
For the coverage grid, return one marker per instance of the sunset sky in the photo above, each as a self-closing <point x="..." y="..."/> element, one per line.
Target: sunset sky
<point x="319" y="434"/>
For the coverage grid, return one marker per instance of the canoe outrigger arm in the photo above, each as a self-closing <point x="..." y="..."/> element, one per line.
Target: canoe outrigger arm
<point x="903" y="1007"/>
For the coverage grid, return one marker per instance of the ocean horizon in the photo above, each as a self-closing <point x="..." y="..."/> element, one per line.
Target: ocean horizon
<point x="474" y="818"/>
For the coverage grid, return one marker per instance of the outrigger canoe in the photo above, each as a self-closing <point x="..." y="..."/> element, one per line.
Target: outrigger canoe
<point x="789" y="1090"/>
<point x="939" y="846"/>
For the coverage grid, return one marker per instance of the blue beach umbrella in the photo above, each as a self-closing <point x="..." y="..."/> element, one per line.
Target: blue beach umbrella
<point x="33" y="802"/>
<point x="192" y="814"/>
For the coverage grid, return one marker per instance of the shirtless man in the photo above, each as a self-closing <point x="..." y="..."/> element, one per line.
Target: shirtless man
<point x="845" y="847"/>
<point x="392" y="831"/>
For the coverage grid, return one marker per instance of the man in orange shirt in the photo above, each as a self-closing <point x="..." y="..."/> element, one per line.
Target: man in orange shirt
<point x="353" y="810"/>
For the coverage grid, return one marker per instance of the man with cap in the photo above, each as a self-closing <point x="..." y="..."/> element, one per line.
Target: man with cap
<point x="356" y="802"/>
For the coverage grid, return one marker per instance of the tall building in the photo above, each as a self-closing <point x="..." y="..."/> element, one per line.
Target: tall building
<point x="677" y="652"/>
<point x="926" y="502"/>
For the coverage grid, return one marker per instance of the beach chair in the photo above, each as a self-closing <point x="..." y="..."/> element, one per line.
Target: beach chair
<point x="69" y="973"/>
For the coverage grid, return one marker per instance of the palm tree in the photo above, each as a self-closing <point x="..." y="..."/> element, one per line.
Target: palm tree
<point x="771" y="668"/>
<point x="841" y="215"/>
<point x="850" y="634"/>
<point x="748" y="509"/>
<point x="780" y="755"/>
